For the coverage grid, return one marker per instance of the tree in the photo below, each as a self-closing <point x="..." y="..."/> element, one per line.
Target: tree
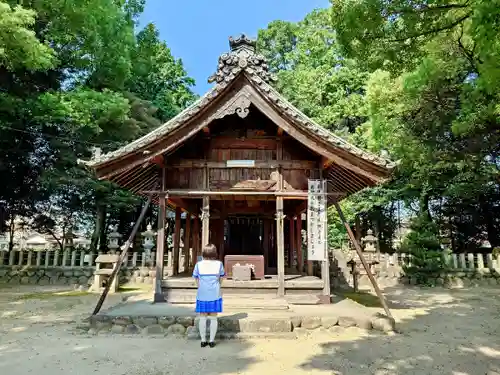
<point x="76" y="82"/>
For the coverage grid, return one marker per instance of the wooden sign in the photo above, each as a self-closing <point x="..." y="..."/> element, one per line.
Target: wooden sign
<point x="316" y="220"/>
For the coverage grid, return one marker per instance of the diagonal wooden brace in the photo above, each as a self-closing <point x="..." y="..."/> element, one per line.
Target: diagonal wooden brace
<point x="363" y="260"/>
<point x="122" y="257"/>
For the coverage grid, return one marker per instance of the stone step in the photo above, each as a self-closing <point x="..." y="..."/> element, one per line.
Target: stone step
<point x="238" y="301"/>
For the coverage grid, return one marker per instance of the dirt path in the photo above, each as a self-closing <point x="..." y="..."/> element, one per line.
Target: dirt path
<point x="443" y="332"/>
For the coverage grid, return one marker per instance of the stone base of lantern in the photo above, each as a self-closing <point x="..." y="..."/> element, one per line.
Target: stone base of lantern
<point x="105" y="264"/>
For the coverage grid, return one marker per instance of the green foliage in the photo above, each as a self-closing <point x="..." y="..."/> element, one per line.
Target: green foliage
<point x="97" y="85"/>
<point x="416" y="80"/>
<point x="426" y="256"/>
<point x="20" y="47"/>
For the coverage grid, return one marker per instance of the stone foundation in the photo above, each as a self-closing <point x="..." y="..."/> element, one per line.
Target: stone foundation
<point x="229" y="328"/>
<point x="82" y="276"/>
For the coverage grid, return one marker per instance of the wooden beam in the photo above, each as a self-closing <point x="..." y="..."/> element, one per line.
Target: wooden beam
<point x="177" y="241"/>
<point x="291" y="248"/>
<point x="123" y="255"/>
<point x="267" y="232"/>
<point x="187" y="242"/>
<point x="357" y="246"/>
<point x="205" y="222"/>
<point x="183" y="204"/>
<point x="258" y="164"/>
<point x="293" y="194"/>
<point x="280" y="242"/>
<point x="246" y="143"/>
<point x="298" y="235"/>
<point x="196" y="240"/>
<point x="160" y="250"/>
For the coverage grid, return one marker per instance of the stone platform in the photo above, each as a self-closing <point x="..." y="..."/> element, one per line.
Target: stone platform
<point x="143" y="317"/>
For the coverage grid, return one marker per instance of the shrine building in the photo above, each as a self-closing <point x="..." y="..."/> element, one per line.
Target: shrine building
<point x="239" y="164"/>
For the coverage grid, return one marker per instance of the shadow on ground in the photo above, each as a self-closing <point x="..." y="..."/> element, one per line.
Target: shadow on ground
<point x="39" y="335"/>
<point x="453" y="336"/>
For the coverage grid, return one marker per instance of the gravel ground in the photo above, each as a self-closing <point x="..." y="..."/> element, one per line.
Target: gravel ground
<point x="442" y="332"/>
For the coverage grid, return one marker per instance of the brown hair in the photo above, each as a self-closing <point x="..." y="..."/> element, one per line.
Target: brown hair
<point x="209" y="252"/>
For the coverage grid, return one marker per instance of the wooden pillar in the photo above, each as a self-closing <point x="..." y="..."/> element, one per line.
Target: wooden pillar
<point x="160" y="250"/>
<point x="298" y="236"/>
<point x="280" y="242"/>
<point x="357" y="246"/>
<point x="196" y="240"/>
<point x="267" y="232"/>
<point x="291" y="247"/>
<point x="187" y="242"/>
<point x="205" y="222"/>
<point x="177" y="241"/>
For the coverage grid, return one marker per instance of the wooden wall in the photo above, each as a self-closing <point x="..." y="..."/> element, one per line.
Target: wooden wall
<point x="232" y="138"/>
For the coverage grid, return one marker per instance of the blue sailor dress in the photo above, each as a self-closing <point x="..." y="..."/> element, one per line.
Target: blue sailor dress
<point x="208" y="297"/>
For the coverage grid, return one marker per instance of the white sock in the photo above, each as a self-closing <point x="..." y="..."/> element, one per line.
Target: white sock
<point x="202" y="325"/>
<point x="213" y="327"/>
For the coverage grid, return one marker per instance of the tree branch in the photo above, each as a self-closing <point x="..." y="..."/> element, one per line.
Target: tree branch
<point x="434" y="31"/>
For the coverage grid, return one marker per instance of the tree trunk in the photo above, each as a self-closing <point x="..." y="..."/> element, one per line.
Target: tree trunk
<point x="424" y="206"/>
<point x="103" y="243"/>
<point x="100" y="218"/>
<point x="12" y="227"/>
<point x="491" y="230"/>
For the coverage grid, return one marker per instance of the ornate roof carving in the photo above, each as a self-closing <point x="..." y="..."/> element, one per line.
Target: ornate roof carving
<point x="242" y="56"/>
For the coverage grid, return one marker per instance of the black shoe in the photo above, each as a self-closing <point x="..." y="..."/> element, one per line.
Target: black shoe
<point x="211" y="344"/>
<point x="203" y="344"/>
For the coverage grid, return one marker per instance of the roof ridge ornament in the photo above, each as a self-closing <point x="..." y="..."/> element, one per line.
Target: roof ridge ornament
<point x="242" y="56"/>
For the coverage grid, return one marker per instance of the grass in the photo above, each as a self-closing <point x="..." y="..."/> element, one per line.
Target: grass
<point x="49" y="295"/>
<point x="363" y="298"/>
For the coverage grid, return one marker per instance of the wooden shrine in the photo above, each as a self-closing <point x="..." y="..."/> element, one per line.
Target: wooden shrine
<point x="238" y="161"/>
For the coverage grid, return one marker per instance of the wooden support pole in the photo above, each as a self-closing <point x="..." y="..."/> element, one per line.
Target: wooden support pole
<point x="291" y="247"/>
<point x="205" y="222"/>
<point x="177" y="241"/>
<point x="160" y="250"/>
<point x="300" y="254"/>
<point x="123" y="255"/>
<point x="265" y="243"/>
<point x="196" y="240"/>
<point x="187" y="243"/>
<point x="363" y="260"/>
<point x="280" y="237"/>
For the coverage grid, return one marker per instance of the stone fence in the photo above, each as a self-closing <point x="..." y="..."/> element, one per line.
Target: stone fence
<point x="472" y="269"/>
<point x="71" y="267"/>
<point x="77" y="267"/>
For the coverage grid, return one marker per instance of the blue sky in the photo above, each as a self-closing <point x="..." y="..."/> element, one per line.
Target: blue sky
<point x="197" y="31"/>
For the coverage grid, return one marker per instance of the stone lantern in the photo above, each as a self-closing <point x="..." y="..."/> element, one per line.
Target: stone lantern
<point x="148" y="242"/>
<point x="113" y="239"/>
<point x="369" y="242"/>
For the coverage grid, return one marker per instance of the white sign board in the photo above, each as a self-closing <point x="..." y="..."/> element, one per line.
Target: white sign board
<point x="316" y="221"/>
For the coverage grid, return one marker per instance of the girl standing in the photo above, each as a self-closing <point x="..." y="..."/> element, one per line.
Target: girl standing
<point x="208" y="273"/>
